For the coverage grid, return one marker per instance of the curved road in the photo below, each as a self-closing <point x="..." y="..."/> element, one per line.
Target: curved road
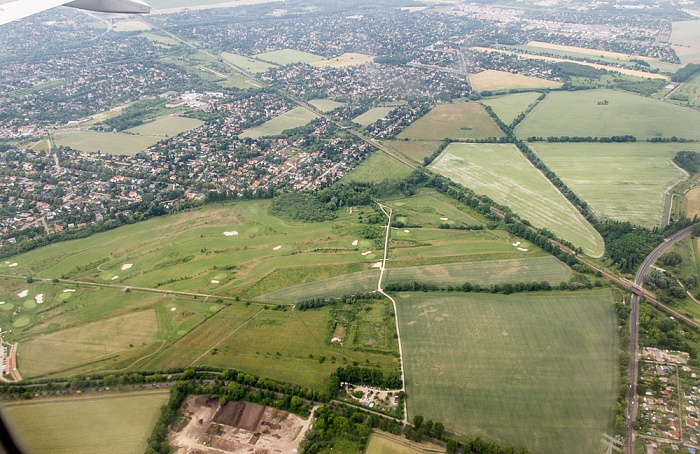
<point x="634" y="330"/>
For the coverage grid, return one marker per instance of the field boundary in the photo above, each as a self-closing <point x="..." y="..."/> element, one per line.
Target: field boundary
<point x="227" y="336"/>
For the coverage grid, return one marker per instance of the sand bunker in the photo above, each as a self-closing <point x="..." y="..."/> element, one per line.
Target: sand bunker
<point x="69" y="290"/>
<point x="23" y="293"/>
<point x="114" y="278"/>
<point x="444" y="219"/>
<point x="1" y="303"/>
<point x="277" y="248"/>
<point x="214" y="281"/>
<point x="406" y="231"/>
<point x="12" y="265"/>
<point x="522" y="249"/>
<point x="126" y="266"/>
<point x="516" y="244"/>
<point x="233" y="233"/>
<point x="39" y="298"/>
<point x="173" y="309"/>
<point x="336" y="339"/>
<point x="354" y="243"/>
<point x="377" y="265"/>
<point x="367" y="253"/>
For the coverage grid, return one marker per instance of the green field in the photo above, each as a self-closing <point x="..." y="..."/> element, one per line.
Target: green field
<point x="247" y="64"/>
<point x="288" y="56"/>
<point x="378" y="167"/>
<point x="508" y="107"/>
<point x="107" y="424"/>
<point x="537" y="370"/>
<point x="412" y="149"/>
<point x="690" y="90"/>
<point x="504" y="174"/>
<point x="625" y="113"/>
<point x="288" y="120"/>
<point x="372" y="115"/>
<point x="492" y="80"/>
<point x="325" y="105"/>
<point x="166" y="126"/>
<point x="461" y="120"/>
<point x="624" y="181"/>
<point x="381" y="443"/>
<point x="288" y="345"/>
<point x="105" y="142"/>
<point x="344" y="60"/>
<point x="685" y="40"/>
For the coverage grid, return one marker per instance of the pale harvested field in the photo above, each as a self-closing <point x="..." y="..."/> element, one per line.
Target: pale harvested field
<point x="685" y="38"/>
<point x="345" y="60"/>
<point x="77" y="345"/>
<point x="288" y="56"/>
<point x="501" y="80"/>
<point x="504" y="174"/>
<point x="629" y="72"/>
<point x="692" y="203"/>
<point x="131" y="26"/>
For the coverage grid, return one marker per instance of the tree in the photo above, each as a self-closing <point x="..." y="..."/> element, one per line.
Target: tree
<point x="438" y="430"/>
<point x="418" y="421"/>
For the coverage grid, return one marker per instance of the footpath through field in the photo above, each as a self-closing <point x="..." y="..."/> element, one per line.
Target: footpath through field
<point x="388" y="212"/>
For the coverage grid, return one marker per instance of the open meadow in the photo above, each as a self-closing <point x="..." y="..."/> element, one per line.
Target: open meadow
<point x="534" y="370"/>
<point x="247" y="64"/>
<point x="109" y="423"/>
<point x="105" y="142"/>
<point x="620" y="181"/>
<point x="459" y="120"/>
<point x="688" y="94"/>
<point x="378" y="167"/>
<point x="504" y="174"/>
<point x="294" y="118"/>
<point x="383" y="443"/>
<point x="416" y="150"/>
<point x="372" y="115"/>
<point x="492" y="80"/>
<point x="508" y="107"/>
<point x="166" y="127"/>
<point x="623" y="114"/>
<point x="288" y="56"/>
<point x="685" y="40"/>
<point x="344" y="60"/>
<point x="325" y="105"/>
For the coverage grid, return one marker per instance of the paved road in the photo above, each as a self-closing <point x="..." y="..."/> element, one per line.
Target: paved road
<point x="634" y="330"/>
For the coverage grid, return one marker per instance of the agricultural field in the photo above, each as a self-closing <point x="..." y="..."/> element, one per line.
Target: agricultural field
<point x="485" y="364"/>
<point x="344" y="60"/>
<point x="372" y="115"/>
<point x="288" y="56"/>
<point x="558" y="50"/>
<point x="623" y="114"/>
<point x="692" y="203"/>
<point x="246" y="63"/>
<point x="130" y="26"/>
<point x="105" y="142"/>
<point x="687" y="94"/>
<point x="107" y="424"/>
<point x="623" y="181"/>
<point x="508" y="107"/>
<point x="461" y="120"/>
<point x="288" y="345"/>
<point x="325" y="105"/>
<point x="492" y="80"/>
<point x="685" y="40"/>
<point x="166" y="127"/>
<point x="415" y="150"/>
<point x="504" y="174"/>
<point x="382" y="443"/>
<point x="288" y="120"/>
<point x="378" y="167"/>
<point x="238" y="81"/>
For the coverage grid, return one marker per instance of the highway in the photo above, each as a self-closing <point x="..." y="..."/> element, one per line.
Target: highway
<point x="632" y="370"/>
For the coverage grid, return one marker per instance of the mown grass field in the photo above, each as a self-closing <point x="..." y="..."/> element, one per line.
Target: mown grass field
<point x="372" y="115"/>
<point x="505" y="175"/>
<point x="500" y="80"/>
<point x="246" y="63"/>
<point x="288" y="120"/>
<point x="286" y="345"/>
<point x="535" y="370"/>
<point x="106" y="142"/>
<point x="461" y="120"/>
<point x="381" y="443"/>
<point x="108" y="424"/>
<point x="685" y="40"/>
<point x="415" y="150"/>
<point x="690" y="90"/>
<point x="166" y="127"/>
<point x="344" y="60"/>
<point x="625" y="114"/>
<point x="378" y="167"/>
<point x="624" y="181"/>
<point x="508" y="107"/>
<point x="288" y="56"/>
<point x="325" y="105"/>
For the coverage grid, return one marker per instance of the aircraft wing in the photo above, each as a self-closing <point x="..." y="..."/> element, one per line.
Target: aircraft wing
<point x="11" y="10"/>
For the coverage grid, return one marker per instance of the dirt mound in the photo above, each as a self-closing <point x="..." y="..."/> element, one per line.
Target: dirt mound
<point x="243" y="415"/>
